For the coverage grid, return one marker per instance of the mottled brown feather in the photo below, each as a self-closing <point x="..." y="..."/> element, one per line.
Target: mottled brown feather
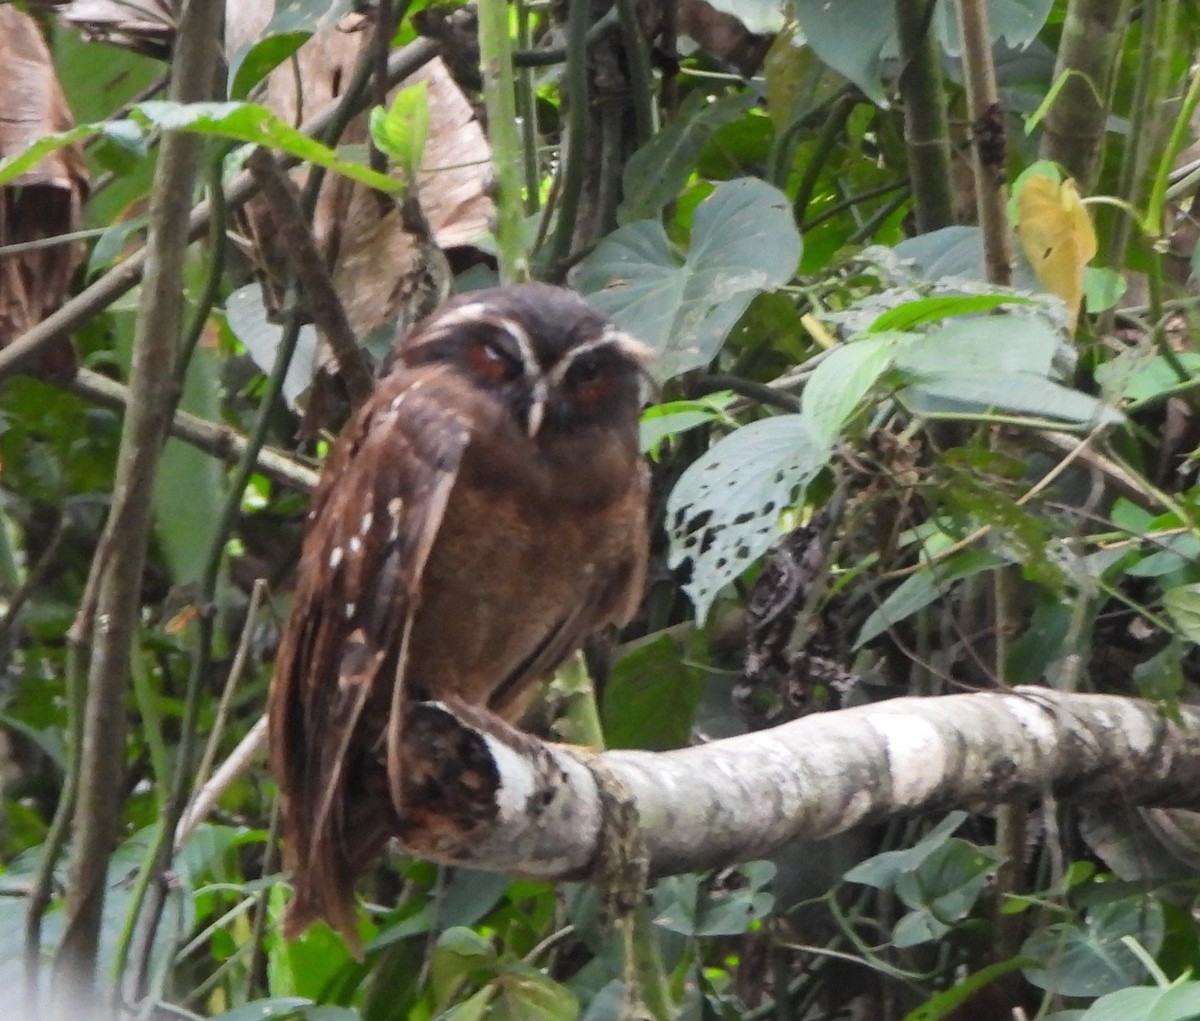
<point x="449" y="555"/>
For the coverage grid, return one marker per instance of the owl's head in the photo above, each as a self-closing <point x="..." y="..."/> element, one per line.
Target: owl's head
<point x="555" y="362"/>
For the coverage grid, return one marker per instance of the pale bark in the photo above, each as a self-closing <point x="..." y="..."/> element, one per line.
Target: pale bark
<point x="743" y="798"/>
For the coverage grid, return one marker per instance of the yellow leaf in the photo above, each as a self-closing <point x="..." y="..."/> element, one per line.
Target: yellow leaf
<point x="1057" y="236"/>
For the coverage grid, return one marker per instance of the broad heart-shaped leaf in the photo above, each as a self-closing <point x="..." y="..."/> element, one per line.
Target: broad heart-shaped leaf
<point x="1092" y="959"/>
<point x="1000" y="363"/>
<point x="743" y="241"/>
<point x="942" y="890"/>
<point x="1017" y="22"/>
<point x="723" y="512"/>
<point x="884" y="869"/>
<point x="657" y="172"/>
<point x="850" y="37"/>
<point x="762" y="17"/>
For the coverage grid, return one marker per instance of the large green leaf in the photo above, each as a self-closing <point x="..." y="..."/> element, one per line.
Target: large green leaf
<point x="743" y="242"/>
<point x="840" y="383"/>
<point x="723" y="511"/>
<point x="1092" y="958"/>
<point x="645" y="682"/>
<point x="853" y="36"/>
<point x="850" y="37"/>
<point x="1016" y="22"/>
<point x="1002" y="363"/>
<point x="658" y="171"/>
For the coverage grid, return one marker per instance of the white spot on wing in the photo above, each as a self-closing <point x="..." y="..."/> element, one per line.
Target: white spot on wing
<point x="349" y="609"/>
<point x="355" y="544"/>
<point x="335" y="557"/>
<point x="365" y="525"/>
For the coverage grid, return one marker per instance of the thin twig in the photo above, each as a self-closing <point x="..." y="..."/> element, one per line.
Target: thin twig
<point x="238" y="761"/>
<point x="219" y="440"/>
<point x="217" y="731"/>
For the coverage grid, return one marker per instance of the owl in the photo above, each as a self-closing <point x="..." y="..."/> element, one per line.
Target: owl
<point x="480" y="516"/>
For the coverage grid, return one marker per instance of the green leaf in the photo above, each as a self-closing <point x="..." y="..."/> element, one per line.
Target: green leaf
<point x="979" y="345"/>
<point x="1017" y="22"/>
<point x="1091" y="959"/>
<point x="850" y="37"/>
<point x="942" y="890"/>
<point x="743" y="241"/>
<point x="762" y="17"/>
<point x="723" y="512"/>
<point x="242" y="122"/>
<point x="263" y="1010"/>
<point x="1158" y="375"/>
<point x="658" y="171"/>
<point x="1148" y="1003"/>
<point x="1182" y="604"/>
<point x="473" y="1009"/>
<point x="884" y="869"/>
<point x="1102" y="288"/>
<point x="459" y="955"/>
<point x="910" y="314"/>
<point x="923" y="588"/>
<point x="840" y="383"/>
<point x="255" y="60"/>
<point x="294" y="23"/>
<point x="400" y="131"/>
<point x="651" y="697"/>
<point x="661" y="422"/>
<point x="525" y="994"/>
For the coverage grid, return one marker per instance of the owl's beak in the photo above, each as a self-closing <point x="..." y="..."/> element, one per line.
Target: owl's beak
<point x="537" y="406"/>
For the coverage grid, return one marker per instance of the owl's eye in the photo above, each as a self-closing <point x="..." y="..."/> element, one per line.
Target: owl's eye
<point x="591" y="383"/>
<point x="491" y="362"/>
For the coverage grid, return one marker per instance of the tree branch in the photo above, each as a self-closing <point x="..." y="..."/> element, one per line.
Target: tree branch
<point x="744" y="797"/>
<point x="116" y="573"/>
<point x="219" y="440"/>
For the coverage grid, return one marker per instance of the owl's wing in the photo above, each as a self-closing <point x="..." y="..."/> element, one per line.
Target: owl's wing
<point x="373" y="520"/>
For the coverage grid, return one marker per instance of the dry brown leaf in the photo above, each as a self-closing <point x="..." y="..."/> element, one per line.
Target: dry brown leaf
<point x="380" y="270"/>
<point x="45" y="201"/>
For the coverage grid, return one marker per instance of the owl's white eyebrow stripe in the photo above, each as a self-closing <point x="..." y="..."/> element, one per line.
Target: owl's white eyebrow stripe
<point x="611" y="337"/>
<point x="477" y="312"/>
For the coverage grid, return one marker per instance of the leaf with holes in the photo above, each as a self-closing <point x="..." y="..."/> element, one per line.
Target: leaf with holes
<point x="743" y="242"/>
<point x="723" y="511"/>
